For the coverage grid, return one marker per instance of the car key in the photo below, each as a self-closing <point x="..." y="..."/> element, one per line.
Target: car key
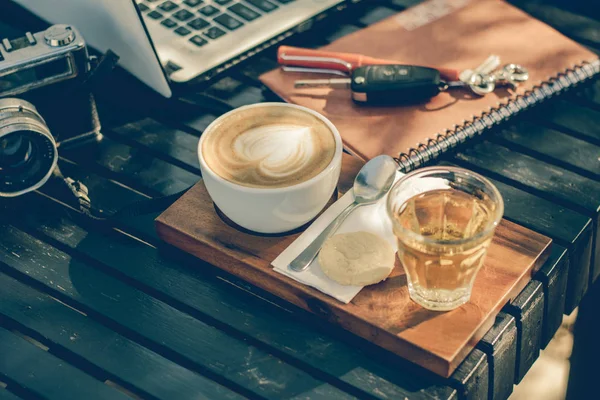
<point x="386" y="84"/>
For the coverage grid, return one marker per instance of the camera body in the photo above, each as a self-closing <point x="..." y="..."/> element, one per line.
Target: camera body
<point x="45" y="102"/>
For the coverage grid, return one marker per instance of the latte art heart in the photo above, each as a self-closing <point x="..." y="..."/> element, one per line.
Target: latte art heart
<point x="279" y="151"/>
<point x="276" y="149"/>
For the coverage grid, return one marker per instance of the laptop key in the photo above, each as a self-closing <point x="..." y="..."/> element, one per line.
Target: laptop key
<point x="143" y="7"/>
<point x="183" y="15"/>
<point x="192" y="3"/>
<point x="209" y="10"/>
<point x="244" y="12"/>
<point x="154" y="14"/>
<point x="182" y="31"/>
<point x="228" y="21"/>
<point x="214" y="32"/>
<point x="168" y="6"/>
<point x="263" y="5"/>
<point x="198" y="23"/>
<point x="198" y="40"/>
<point x="222" y="2"/>
<point x="169" y="23"/>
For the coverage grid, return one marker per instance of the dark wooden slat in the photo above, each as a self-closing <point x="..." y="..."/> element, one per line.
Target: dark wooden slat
<point x="560" y="186"/>
<point x="375" y="15"/>
<point x="581" y="7"/>
<point x="558" y="149"/>
<point x="566" y="116"/>
<point x="564" y="226"/>
<point x="558" y="222"/>
<point x="82" y="338"/>
<point x="165" y="329"/>
<point x="6" y="395"/>
<point x="472" y="376"/>
<point x="258" y="66"/>
<point x="554" y="278"/>
<point x="194" y="125"/>
<point x="588" y="95"/>
<point x="162" y="274"/>
<point x="49" y="377"/>
<point x="128" y="165"/>
<point x="552" y="146"/>
<point x="235" y="92"/>
<point x="528" y="310"/>
<point x="107" y="197"/>
<point x="107" y="201"/>
<point x="500" y="344"/>
<point x="401" y="4"/>
<point x="341" y="31"/>
<point x="579" y="27"/>
<point x="172" y="145"/>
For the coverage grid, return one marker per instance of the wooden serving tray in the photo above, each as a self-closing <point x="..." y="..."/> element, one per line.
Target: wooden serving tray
<point x="382" y="313"/>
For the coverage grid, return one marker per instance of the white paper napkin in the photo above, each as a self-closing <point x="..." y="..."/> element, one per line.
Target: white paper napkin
<point x="372" y="218"/>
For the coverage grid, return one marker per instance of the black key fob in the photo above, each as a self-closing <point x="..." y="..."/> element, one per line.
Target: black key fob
<point x="394" y="84"/>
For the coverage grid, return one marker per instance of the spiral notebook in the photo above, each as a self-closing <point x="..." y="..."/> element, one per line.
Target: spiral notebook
<point x="446" y="33"/>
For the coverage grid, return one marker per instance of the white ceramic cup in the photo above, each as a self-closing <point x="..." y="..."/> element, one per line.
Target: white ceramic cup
<point x="273" y="210"/>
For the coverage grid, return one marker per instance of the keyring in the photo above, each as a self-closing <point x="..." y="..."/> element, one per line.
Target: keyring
<point x="482" y="84"/>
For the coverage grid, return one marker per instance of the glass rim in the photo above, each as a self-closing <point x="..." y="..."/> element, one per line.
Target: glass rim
<point x="490" y="226"/>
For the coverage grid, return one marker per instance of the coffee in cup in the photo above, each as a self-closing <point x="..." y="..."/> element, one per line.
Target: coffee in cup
<point x="270" y="147"/>
<point x="270" y="167"/>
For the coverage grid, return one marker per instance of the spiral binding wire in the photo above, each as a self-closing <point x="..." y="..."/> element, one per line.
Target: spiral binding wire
<point x="423" y="153"/>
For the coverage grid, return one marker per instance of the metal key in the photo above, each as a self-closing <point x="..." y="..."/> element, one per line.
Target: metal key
<point x="489" y="65"/>
<point x="335" y="83"/>
<point x="511" y="75"/>
<point x="478" y="79"/>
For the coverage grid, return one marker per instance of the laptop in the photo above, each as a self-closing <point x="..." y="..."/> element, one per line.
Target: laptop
<point x="166" y="41"/>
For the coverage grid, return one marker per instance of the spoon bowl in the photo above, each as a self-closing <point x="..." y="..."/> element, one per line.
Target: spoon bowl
<point x="374" y="179"/>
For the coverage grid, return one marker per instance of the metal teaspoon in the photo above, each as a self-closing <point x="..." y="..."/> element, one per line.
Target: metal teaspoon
<point x="373" y="181"/>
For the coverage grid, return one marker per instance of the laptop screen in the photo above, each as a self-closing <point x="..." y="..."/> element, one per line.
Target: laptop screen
<point x="109" y="24"/>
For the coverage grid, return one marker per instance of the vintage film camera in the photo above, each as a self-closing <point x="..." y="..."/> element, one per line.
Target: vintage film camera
<point x="45" y="103"/>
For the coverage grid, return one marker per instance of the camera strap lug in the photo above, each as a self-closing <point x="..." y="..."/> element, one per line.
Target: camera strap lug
<point x="80" y="191"/>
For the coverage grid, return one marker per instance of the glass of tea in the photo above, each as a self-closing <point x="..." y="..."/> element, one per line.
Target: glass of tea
<point x="443" y="232"/>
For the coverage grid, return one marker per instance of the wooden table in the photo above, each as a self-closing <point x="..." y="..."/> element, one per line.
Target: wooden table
<point x="93" y="313"/>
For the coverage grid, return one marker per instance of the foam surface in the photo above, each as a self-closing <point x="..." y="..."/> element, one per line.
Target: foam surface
<point x="281" y="148"/>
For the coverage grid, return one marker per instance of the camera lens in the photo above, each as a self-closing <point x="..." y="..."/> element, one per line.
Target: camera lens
<point x="15" y="151"/>
<point x="28" y="153"/>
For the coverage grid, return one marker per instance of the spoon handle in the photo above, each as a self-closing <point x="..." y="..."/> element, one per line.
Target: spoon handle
<point x="303" y="260"/>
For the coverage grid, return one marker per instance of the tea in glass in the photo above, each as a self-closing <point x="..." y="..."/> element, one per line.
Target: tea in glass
<point x="443" y="232"/>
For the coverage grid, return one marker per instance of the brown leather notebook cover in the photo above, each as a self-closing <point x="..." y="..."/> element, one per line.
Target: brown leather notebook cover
<point x="444" y="33"/>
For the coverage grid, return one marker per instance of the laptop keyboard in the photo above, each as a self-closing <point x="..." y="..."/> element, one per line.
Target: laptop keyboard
<point x="203" y="21"/>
